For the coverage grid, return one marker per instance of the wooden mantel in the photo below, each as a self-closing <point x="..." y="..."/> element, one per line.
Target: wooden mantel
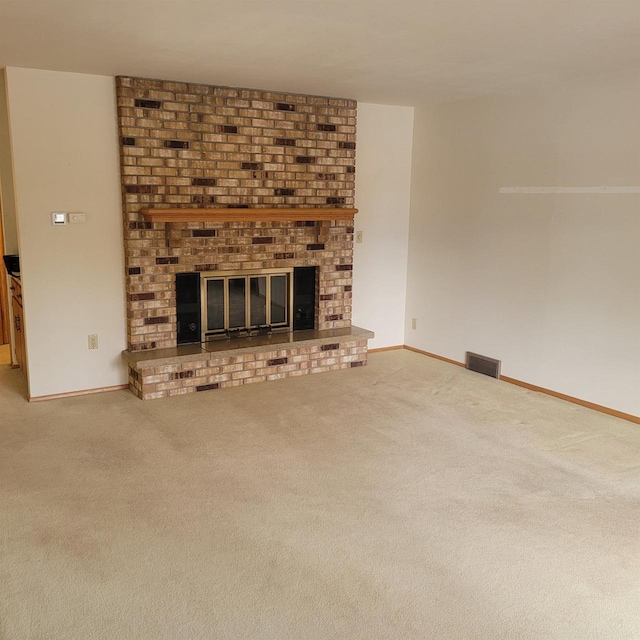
<point x="220" y="214"/>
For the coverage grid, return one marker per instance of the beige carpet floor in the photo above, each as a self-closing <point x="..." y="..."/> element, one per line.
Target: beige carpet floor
<point x="406" y="499"/>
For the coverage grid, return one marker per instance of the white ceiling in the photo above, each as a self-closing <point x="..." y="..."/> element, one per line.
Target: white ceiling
<point x="385" y="51"/>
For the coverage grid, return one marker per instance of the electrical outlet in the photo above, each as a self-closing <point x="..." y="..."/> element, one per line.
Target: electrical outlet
<point x="414" y="323"/>
<point x="93" y="341"/>
<point x="359" y="235"/>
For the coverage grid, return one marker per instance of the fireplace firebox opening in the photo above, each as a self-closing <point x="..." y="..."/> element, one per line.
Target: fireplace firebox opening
<point x="239" y="303"/>
<point x="217" y="305"/>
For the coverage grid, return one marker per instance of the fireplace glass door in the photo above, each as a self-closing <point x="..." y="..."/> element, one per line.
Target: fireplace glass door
<point x="243" y="302"/>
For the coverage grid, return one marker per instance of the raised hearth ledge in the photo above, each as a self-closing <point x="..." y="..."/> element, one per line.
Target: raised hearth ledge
<point x="245" y="215"/>
<point x="188" y="353"/>
<point x="220" y="364"/>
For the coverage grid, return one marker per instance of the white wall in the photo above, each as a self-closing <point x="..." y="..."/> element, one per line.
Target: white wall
<point x="65" y="153"/>
<point x="64" y="136"/>
<point x="549" y="284"/>
<point x="383" y="188"/>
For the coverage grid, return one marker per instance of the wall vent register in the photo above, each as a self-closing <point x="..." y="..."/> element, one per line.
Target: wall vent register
<point x="483" y="364"/>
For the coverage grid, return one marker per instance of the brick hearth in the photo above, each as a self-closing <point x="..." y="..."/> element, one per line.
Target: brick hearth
<point x="191" y="368"/>
<point x="190" y="145"/>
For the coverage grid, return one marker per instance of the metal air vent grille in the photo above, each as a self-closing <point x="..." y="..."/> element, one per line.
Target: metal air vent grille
<point x="482" y="364"/>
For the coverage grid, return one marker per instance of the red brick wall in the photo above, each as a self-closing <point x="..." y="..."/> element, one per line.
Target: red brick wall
<point x="188" y="145"/>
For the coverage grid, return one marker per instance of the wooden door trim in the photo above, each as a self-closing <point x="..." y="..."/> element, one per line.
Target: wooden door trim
<point x="5" y="332"/>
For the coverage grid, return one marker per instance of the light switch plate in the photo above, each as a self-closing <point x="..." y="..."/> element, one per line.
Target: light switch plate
<point x="58" y="218"/>
<point x="77" y="217"/>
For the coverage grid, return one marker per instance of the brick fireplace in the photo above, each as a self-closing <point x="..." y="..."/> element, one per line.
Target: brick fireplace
<point x="289" y="162"/>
